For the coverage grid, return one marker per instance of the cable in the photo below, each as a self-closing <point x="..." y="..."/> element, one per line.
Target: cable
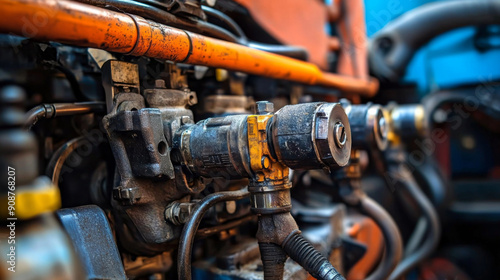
<point x="290" y="51"/>
<point x="53" y="110"/>
<point x="434" y="231"/>
<point x="58" y="159"/>
<point x="416" y="237"/>
<point x="225" y="19"/>
<point x="189" y="231"/>
<point x="161" y="16"/>
<point x="392" y="237"/>
<point x="143" y="8"/>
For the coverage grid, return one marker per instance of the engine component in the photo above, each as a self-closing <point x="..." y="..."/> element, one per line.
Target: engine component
<point x="259" y="147"/>
<point x="369" y="127"/>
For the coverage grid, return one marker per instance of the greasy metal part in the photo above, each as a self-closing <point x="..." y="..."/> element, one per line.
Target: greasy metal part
<point x="91" y="235"/>
<point x="240" y="146"/>
<point x="49" y="111"/>
<point x="119" y="76"/>
<point x="189" y="231"/>
<point x="178" y="213"/>
<point x="311" y="136"/>
<point x="227" y="104"/>
<point x="264" y="107"/>
<point x="214" y="147"/>
<point x="406" y="122"/>
<point x="369" y="128"/>
<point x="95" y="27"/>
<point x="147" y="181"/>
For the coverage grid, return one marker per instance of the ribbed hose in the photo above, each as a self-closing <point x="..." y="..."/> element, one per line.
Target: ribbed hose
<point x="273" y="260"/>
<point x="301" y="251"/>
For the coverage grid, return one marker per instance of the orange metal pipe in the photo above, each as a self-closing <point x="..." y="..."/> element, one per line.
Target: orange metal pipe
<point x="88" y="26"/>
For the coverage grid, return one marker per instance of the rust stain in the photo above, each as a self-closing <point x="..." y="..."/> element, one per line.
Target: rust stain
<point x="74" y="23"/>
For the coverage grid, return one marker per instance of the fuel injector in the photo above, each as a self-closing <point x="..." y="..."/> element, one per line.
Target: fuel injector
<point x="262" y="147"/>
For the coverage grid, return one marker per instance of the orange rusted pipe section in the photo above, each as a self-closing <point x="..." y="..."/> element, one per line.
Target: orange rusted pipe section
<point x="88" y="26"/>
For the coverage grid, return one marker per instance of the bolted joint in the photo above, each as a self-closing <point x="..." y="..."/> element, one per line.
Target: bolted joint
<point x="127" y="196"/>
<point x="264" y="107"/>
<point x="178" y="212"/>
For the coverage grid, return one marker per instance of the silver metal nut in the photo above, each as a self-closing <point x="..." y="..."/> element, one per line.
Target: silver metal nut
<point x="264" y="107"/>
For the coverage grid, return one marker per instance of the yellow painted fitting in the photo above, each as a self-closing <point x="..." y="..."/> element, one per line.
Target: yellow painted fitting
<point x="261" y="161"/>
<point x="392" y="137"/>
<point x="420" y="122"/>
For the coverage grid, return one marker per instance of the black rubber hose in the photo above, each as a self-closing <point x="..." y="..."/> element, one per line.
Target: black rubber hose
<point x="197" y="26"/>
<point x="434" y="230"/>
<point x="301" y="251"/>
<point x="392" y="238"/>
<point x="273" y="261"/>
<point x="61" y="109"/>
<point x="164" y="17"/>
<point x="225" y="19"/>
<point x="189" y="231"/>
<point x="290" y="51"/>
<point x="393" y="47"/>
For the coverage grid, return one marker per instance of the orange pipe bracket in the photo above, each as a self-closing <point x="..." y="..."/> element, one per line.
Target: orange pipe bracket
<point x="88" y="26"/>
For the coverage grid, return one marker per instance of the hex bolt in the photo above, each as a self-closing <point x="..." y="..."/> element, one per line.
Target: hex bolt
<point x="178" y="212"/>
<point x="339" y="133"/>
<point x="264" y="107"/>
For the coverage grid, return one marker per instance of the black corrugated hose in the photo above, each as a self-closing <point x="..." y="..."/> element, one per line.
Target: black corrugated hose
<point x="301" y="251"/>
<point x="273" y="260"/>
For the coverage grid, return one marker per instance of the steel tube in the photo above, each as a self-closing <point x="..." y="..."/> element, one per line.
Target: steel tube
<point x="88" y="26"/>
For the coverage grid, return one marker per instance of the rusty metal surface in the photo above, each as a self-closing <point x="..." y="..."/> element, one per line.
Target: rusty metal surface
<point x="353" y="57"/>
<point x="77" y="24"/>
<point x="306" y="28"/>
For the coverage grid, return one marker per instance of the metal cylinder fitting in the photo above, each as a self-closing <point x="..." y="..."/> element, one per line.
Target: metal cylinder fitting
<point x="408" y="121"/>
<point x="215" y="147"/>
<point x="369" y="128"/>
<point x="311" y="136"/>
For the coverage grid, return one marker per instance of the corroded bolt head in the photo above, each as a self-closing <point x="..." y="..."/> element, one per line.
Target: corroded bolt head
<point x="340" y="135"/>
<point x="264" y="107"/>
